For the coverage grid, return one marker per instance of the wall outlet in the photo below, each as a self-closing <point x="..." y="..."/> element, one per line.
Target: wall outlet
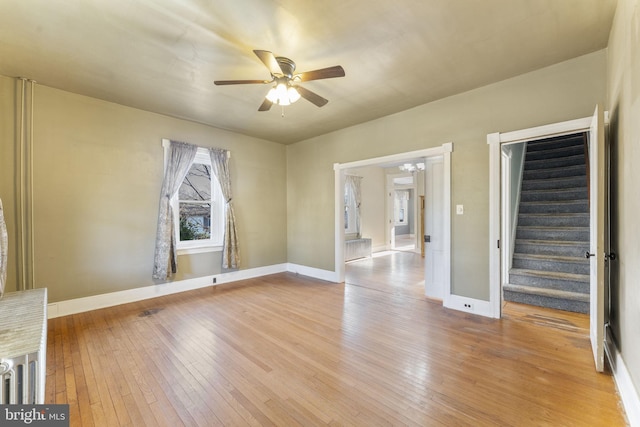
<point x="467" y="306"/>
<point x="460" y="209"/>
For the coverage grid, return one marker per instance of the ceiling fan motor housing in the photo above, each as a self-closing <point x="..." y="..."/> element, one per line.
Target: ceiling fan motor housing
<point x="286" y="65"/>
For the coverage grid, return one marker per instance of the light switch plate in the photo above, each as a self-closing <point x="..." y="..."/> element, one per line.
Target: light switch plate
<point x="459" y="209"/>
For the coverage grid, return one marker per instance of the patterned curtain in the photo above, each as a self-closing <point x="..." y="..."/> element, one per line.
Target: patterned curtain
<point x="220" y="167"/>
<point x="179" y="161"/>
<point x="355" y="186"/>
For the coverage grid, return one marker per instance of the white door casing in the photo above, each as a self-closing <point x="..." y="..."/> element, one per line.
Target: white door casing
<point x="443" y="151"/>
<point x="597" y="211"/>
<point x="434" y="286"/>
<point x="496" y="177"/>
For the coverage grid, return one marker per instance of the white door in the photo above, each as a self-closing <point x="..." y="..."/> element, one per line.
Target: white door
<point x="434" y="283"/>
<point x="597" y="195"/>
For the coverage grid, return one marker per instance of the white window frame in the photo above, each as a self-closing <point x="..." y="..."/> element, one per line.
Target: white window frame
<point x="215" y="241"/>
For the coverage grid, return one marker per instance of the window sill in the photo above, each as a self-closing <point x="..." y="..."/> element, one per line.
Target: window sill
<point x="199" y="250"/>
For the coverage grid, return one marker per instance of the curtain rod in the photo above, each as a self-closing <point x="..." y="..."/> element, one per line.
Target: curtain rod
<point x="166" y="142"/>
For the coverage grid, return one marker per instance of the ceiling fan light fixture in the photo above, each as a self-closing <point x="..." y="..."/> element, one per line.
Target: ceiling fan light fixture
<point x="285" y="90"/>
<point x="282" y="94"/>
<point x="293" y="94"/>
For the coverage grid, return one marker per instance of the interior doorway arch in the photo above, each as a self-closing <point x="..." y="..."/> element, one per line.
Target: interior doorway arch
<point x="444" y="152"/>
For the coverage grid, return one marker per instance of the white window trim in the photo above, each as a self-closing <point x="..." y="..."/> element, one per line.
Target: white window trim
<point x="199" y="246"/>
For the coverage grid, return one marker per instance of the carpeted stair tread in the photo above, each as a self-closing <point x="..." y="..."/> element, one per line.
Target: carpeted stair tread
<point x="553" y="233"/>
<point x="574" y="296"/>
<point x="550" y="242"/>
<point x="548" y="263"/>
<point x="558" y="206"/>
<point x="544" y="228"/>
<point x="558" y="172"/>
<point x="559" y="258"/>
<point x="555" y="194"/>
<point x="570" y="141"/>
<point x="552" y="275"/>
<point x="558" y="162"/>
<point x="579" y="219"/>
<point x="554" y="183"/>
<point x="569" y="150"/>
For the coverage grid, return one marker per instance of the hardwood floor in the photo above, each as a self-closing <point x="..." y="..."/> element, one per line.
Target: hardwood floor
<point x="289" y="350"/>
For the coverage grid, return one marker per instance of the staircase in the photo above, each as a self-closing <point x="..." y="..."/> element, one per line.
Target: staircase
<point x="552" y="235"/>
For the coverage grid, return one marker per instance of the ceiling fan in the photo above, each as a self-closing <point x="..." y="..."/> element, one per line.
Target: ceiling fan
<point x="285" y="90"/>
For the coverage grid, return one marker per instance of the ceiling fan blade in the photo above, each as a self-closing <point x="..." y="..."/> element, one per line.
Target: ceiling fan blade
<point x="311" y="96"/>
<point x="269" y="60"/>
<point x="323" y="73"/>
<point x="239" y="82"/>
<point x="266" y="105"/>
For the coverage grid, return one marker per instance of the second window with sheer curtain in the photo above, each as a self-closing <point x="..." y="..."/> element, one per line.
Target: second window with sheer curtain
<point x="199" y="208"/>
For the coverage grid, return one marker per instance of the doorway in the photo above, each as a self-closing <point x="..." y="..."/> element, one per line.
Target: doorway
<point x="597" y="213"/>
<point x="443" y="153"/>
<point x="403" y="225"/>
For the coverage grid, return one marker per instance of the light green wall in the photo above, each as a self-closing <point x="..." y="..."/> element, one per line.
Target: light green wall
<point x="624" y="107"/>
<point x="561" y="92"/>
<point x="98" y="169"/>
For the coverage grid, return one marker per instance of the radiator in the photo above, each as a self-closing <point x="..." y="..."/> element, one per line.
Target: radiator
<point x="357" y="248"/>
<point x="23" y="346"/>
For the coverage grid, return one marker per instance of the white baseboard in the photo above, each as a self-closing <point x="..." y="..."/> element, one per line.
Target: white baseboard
<point x="624" y="383"/>
<point x="95" y="302"/>
<point x="316" y="273"/>
<point x="468" y="305"/>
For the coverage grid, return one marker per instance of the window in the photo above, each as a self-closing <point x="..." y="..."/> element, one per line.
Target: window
<point x="349" y="210"/>
<point x="198" y="208"/>
<point x="401" y="206"/>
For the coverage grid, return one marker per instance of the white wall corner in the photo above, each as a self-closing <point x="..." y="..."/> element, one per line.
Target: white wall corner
<point x="316" y="273"/>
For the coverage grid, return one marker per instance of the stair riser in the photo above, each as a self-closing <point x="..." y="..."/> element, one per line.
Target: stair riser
<point x="574" y="150"/>
<point x="554" y="184"/>
<point x="550" y="207"/>
<point x="558" y="250"/>
<point x="553" y="234"/>
<point x="577" y="160"/>
<point x="543" y="301"/>
<point x="559" y="266"/>
<point x="562" y="172"/>
<point x="550" y="220"/>
<point x="544" y="196"/>
<point x="547" y="283"/>
<point x="543" y="146"/>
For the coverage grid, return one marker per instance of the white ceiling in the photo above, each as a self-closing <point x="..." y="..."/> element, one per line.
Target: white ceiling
<point x="163" y="55"/>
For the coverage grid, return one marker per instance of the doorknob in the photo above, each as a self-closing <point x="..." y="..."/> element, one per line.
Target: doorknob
<point x="587" y="254"/>
<point x="611" y="256"/>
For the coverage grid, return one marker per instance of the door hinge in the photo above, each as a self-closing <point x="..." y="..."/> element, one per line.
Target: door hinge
<point x="498" y="243"/>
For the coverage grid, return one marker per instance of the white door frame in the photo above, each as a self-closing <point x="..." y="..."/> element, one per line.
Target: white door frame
<point x="495" y="141"/>
<point x="339" y="172"/>
<point x="391" y="187"/>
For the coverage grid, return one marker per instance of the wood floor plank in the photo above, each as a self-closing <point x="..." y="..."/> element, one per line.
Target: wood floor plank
<point x="290" y="350"/>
